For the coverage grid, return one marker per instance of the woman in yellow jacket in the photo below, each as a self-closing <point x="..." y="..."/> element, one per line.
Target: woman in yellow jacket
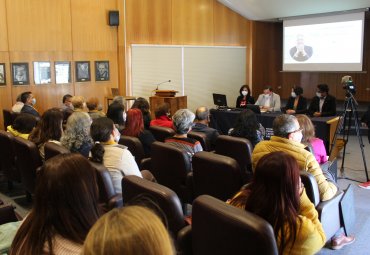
<point x="277" y="195"/>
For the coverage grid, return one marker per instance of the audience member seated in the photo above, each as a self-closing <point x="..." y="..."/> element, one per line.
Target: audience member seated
<point x="365" y="119"/>
<point x="135" y="127"/>
<point x="130" y="230"/>
<point x="245" y="97"/>
<point x="287" y="138"/>
<point x="22" y="126"/>
<point x="269" y="101"/>
<point x="161" y="116"/>
<point x="116" y="112"/>
<point x="93" y="106"/>
<point x="17" y="107"/>
<point x="201" y="125"/>
<point x="78" y="103"/>
<point x="315" y="144"/>
<point x="248" y="127"/>
<point x="183" y="121"/>
<point x="48" y="129"/>
<point x="67" y="108"/>
<point x="277" y="195"/>
<point x="29" y="101"/>
<point x="296" y="102"/>
<point x="323" y="104"/>
<point x="143" y="105"/>
<point x="76" y="136"/>
<point x="117" y="100"/>
<point x="64" y="210"/>
<point x="115" y="157"/>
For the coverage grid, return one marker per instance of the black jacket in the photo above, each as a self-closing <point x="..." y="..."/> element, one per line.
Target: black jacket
<point x="329" y="108"/>
<point x="30" y="110"/>
<point x="301" y="106"/>
<point x="250" y="100"/>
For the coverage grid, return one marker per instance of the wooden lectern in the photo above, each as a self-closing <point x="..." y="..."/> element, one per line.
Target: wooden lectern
<point x="167" y="96"/>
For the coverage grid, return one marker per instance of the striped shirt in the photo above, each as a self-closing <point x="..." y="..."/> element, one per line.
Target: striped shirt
<point x="189" y="145"/>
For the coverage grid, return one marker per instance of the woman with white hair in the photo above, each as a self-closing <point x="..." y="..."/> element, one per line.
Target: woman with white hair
<point x="76" y="137"/>
<point x="183" y="122"/>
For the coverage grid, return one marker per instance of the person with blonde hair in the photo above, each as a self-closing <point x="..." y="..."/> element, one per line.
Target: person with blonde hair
<point x="129" y="230"/>
<point x="79" y="103"/>
<point x="93" y="106"/>
<point x="315" y="144"/>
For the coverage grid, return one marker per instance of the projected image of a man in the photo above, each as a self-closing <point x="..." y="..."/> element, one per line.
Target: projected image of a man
<point x="301" y="52"/>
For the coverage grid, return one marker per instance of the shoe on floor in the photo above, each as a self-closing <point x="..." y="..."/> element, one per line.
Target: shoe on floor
<point x="339" y="242"/>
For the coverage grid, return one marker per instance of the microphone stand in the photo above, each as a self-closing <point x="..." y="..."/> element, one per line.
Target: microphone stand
<point x="162" y="83"/>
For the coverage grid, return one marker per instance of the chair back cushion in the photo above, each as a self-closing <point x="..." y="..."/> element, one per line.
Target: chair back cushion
<point x="237" y="148"/>
<point x="27" y="160"/>
<point x="311" y="187"/>
<point x="216" y="175"/>
<point x="202" y="138"/>
<point x="167" y="200"/>
<point x="53" y="149"/>
<point x="7" y="156"/>
<point x="9" y="117"/>
<point x="105" y="184"/>
<point x="161" y="133"/>
<point x="219" y="228"/>
<point x="170" y="166"/>
<point x="134" y="146"/>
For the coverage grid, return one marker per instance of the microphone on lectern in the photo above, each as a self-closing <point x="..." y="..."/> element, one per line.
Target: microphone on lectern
<point x="162" y="83"/>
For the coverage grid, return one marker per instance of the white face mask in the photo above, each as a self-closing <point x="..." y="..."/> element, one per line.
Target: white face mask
<point x="293" y="94"/>
<point x="318" y="94"/>
<point x="124" y="116"/>
<point x="33" y="101"/>
<point x="244" y="93"/>
<point x="117" y="135"/>
<point x="298" y="137"/>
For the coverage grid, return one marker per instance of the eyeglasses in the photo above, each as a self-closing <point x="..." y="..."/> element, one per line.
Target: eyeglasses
<point x="298" y="130"/>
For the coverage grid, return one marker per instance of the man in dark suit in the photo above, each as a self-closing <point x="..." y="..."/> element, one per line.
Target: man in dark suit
<point x="323" y="104"/>
<point x="201" y="125"/>
<point x="29" y="101"/>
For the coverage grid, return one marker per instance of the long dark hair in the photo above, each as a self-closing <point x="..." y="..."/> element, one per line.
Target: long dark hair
<point x="134" y="124"/>
<point x="274" y="195"/>
<point x="246" y="126"/>
<point x="48" y="128"/>
<point x="142" y="104"/>
<point x="100" y="131"/>
<point x="115" y="113"/>
<point x="66" y="204"/>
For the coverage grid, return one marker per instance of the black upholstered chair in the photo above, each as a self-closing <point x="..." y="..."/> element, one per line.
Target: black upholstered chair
<point x="9" y="117"/>
<point x="7" y="158"/>
<point x="161" y="133"/>
<point x="216" y="175"/>
<point x="134" y="146"/>
<point x="219" y="228"/>
<point x="202" y="138"/>
<point x="329" y="213"/>
<point x="53" y="149"/>
<point x="27" y="160"/>
<point x="239" y="149"/>
<point x="166" y="199"/>
<point x="7" y="214"/>
<point x="172" y="168"/>
<point x="107" y="194"/>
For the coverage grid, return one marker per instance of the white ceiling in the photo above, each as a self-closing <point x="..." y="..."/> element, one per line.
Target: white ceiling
<point x="277" y="9"/>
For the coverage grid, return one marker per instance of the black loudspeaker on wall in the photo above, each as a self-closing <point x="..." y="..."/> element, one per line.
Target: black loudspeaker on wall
<point x="113" y="18"/>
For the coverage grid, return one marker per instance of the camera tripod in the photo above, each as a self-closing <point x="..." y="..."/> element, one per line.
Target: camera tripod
<point x="344" y="127"/>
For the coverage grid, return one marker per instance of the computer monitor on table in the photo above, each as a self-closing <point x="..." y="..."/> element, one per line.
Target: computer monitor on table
<point x="220" y="100"/>
<point x="254" y="108"/>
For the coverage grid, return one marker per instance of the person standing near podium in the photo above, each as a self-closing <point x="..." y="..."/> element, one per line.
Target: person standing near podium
<point x="269" y="101"/>
<point x="245" y="97"/>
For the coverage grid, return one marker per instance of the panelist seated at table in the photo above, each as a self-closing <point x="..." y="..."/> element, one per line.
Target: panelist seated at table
<point x="245" y="97"/>
<point x="323" y="104"/>
<point x="269" y="101"/>
<point x="296" y="102"/>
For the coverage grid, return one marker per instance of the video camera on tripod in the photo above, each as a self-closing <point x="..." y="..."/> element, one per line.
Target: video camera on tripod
<point x="348" y="85"/>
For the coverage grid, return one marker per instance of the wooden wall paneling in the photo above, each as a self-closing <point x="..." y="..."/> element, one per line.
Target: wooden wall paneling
<point x="5" y="91"/>
<point x="39" y="25"/>
<point x="149" y="22"/>
<point x="3" y="27"/>
<point x="121" y="50"/>
<point x="229" y="27"/>
<point x="192" y="22"/>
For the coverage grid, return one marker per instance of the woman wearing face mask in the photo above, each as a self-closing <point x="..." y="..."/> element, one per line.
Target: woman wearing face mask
<point x="296" y="102"/>
<point x="245" y="97"/>
<point x="117" y="158"/>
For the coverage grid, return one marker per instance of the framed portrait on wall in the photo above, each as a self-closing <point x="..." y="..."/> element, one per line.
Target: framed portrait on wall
<point x="62" y="72"/>
<point x="20" y="74"/>
<point x="101" y="70"/>
<point x="2" y="74"/>
<point x="41" y="72"/>
<point x="83" y="71"/>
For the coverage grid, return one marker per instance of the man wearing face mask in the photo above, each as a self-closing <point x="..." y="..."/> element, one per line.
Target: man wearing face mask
<point x="323" y="104"/>
<point x="29" y="101"/>
<point x="269" y="101"/>
<point x="296" y="102"/>
<point x="287" y="137"/>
